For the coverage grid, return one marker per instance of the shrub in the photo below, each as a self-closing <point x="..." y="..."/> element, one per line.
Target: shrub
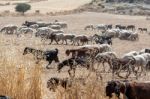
<point x="22" y="7"/>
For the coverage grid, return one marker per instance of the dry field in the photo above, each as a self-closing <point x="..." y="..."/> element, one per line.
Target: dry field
<point x="11" y="50"/>
<point x="44" y="5"/>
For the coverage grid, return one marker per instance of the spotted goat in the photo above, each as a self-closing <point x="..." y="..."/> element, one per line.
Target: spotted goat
<point x="51" y="55"/>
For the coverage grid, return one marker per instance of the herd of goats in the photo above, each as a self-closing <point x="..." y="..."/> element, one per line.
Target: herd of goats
<point x="54" y="31"/>
<point x="86" y="55"/>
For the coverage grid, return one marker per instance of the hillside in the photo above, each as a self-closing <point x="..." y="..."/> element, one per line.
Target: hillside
<point x="57" y="7"/>
<point x="44" y="6"/>
<point x="129" y="1"/>
<point x="129" y="7"/>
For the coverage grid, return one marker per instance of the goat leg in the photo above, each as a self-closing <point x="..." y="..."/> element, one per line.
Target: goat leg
<point x="69" y="71"/>
<point x="74" y="72"/>
<point x="98" y="65"/>
<point x="56" y="41"/>
<point x="110" y="66"/>
<point x="66" y="42"/>
<point x="62" y="41"/>
<point x="78" y="43"/>
<point x="48" y="65"/>
<point x="103" y="66"/>
<point x="51" y="42"/>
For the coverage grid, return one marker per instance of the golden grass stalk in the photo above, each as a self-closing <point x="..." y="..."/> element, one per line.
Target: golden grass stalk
<point x="17" y="83"/>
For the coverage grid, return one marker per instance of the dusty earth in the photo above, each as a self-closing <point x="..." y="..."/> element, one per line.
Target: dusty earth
<point x="44" y="5"/>
<point x="11" y="47"/>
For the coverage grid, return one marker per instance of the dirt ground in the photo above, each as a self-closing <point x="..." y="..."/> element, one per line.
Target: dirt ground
<point x="45" y="5"/>
<point x="12" y="47"/>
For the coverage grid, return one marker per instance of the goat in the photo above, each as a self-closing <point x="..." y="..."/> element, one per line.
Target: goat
<point x="78" y="52"/>
<point x="72" y="63"/>
<point x="131" y="27"/>
<point x="105" y="57"/>
<point x="51" y="55"/>
<point x="130" y="90"/>
<point x="80" y="38"/>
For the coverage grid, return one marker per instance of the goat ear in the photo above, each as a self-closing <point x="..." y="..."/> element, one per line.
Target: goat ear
<point x="117" y="91"/>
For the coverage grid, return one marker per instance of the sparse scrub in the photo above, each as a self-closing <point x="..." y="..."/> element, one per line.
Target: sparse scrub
<point x="118" y="6"/>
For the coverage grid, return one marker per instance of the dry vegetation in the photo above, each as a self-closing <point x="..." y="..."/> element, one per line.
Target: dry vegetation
<point x="44" y="6"/>
<point x="19" y="82"/>
<point x="92" y="90"/>
<point x="123" y="7"/>
<point x="64" y="7"/>
<point x="21" y="78"/>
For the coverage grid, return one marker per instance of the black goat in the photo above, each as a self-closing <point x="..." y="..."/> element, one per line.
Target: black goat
<point x="103" y="39"/>
<point x="72" y="64"/>
<point x="51" y="55"/>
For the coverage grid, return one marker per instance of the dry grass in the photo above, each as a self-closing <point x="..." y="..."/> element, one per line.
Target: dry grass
<point x="92" y="89"/>
<point x="17" y="83"/>
<point x="23" y="79"/>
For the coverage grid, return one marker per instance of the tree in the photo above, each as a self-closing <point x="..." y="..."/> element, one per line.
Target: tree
<point x="22" y="7"/>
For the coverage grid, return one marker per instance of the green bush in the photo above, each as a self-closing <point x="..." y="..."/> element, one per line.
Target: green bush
<point x="22" y="7"/>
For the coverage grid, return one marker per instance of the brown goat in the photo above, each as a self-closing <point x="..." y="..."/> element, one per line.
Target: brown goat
<point x="77" y="52"/>
<point x="82" y="51"/>
<point x="130" y="90"/>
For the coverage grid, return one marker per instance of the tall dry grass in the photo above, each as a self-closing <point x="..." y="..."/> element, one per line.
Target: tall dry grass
<point x="17" y="83"/>
<point x="88" y="87"/>
<point x="93" y="89"/>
